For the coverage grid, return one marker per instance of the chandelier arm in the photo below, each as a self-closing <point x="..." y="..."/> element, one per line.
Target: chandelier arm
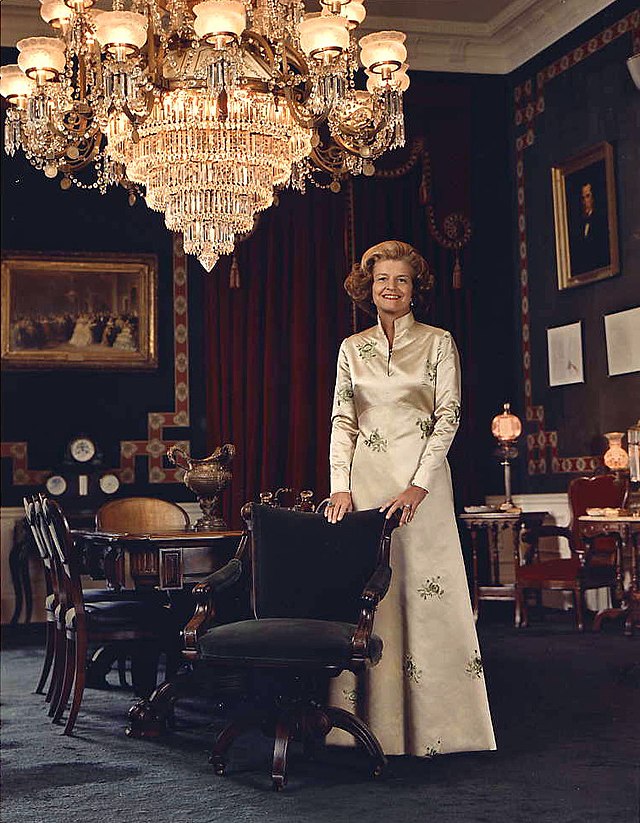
<point x="270" y="63"/>
<point x="329" y="159"/>
<point x="298" y="111"/>
<point x="354" y="148"/>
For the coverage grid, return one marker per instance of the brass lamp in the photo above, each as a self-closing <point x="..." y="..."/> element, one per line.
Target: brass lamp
<point x="506" y="428"/>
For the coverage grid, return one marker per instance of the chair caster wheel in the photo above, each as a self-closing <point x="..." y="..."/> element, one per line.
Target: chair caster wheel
<point x="219" y="765"/>
<point x="277" y="785"/>
<point x="378" y="771"/>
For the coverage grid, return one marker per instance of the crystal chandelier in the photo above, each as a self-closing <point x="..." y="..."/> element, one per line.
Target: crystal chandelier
<point x="207" y="108"/>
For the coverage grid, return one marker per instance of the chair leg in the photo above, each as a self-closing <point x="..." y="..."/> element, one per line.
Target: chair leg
<point x="79" y="681"/>
<point x="58" y="710"/>
<point x="122" y="670"/>
<point x="577" y="600"/>
<point x="524" y="612"/>
<point x="284" y="731"/>
<point x="342" y="719"/>
<point x="48" y="657"/>
<point x="224" y="740"/>
<point x="59" y="661"/>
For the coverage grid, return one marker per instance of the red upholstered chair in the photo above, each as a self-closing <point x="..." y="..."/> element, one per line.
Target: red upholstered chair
<point x="592" y="564"/>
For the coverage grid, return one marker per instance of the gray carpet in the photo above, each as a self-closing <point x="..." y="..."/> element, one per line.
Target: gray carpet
<point x="566" y="709"/>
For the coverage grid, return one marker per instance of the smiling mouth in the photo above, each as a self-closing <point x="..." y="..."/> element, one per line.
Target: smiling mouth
<point x="391" y="296"/>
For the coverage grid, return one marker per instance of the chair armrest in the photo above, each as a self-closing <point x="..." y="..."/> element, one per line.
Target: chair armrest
<point x="376" y="588"/>
<point x="204" y="594"/>
<point x="377" y="585"/>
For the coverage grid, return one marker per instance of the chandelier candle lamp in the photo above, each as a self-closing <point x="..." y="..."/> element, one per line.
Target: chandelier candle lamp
<point x="506" y="428"/>
<point x="205" y="108"/>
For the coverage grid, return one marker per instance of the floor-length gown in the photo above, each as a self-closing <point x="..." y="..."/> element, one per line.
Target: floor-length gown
<point x="394" y="417"/>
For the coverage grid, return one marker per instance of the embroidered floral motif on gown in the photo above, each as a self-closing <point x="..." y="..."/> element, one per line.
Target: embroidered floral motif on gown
<point x="395" y="415"/>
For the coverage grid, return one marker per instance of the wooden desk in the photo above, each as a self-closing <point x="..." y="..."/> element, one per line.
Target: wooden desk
<point x="492" y="523"/>
<point x="169" y="560"/>
<point x="629" y="530"/>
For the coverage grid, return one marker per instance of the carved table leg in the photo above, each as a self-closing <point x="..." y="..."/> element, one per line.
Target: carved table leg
<point x="151" y="716"/>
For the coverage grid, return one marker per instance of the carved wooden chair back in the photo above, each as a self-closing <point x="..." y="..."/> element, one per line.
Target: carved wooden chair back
<point x="33" y="514"/>
<point x="141" y="514"/>
<point x="144" y="628"/>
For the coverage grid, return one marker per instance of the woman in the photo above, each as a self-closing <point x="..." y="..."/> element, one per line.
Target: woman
<point x="396" y="411"/>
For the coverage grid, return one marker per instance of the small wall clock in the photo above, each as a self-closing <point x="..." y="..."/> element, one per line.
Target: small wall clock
<point x="82" y="449"/>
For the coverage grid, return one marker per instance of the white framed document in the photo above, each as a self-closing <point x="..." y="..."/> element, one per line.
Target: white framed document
<point x="564" y="352"/>
<point x="622" y="336"/>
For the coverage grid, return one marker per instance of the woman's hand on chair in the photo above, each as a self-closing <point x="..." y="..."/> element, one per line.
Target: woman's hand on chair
<point x="408" y="501"/>
<point x="339" y="504"/>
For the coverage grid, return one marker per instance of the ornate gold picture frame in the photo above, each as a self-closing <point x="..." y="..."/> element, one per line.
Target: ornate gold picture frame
<point x="79" y="311"/>
<point x="586" y="224"/>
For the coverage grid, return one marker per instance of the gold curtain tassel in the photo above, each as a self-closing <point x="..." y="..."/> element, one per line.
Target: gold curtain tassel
<point x="234" y="274"/>
<point x="457" y="274"/>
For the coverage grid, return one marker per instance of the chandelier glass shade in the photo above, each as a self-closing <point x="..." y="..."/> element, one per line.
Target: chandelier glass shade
<point x="205" y="109"/>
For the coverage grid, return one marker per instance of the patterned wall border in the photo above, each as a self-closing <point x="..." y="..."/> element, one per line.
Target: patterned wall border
<point x="155" y="446"/>
<point x="542" y="447"/>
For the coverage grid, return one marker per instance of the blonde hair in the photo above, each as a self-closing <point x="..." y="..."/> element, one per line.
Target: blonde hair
<point x="358" y="282"/>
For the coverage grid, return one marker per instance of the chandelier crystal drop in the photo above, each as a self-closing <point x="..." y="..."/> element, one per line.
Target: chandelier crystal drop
<point x="205" y="108"/>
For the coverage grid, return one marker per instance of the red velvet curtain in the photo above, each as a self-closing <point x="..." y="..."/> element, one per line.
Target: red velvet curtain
<point x="271" y="344"/>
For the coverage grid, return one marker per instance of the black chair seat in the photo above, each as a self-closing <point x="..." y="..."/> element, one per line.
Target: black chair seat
<point x="93" y="595"/>
<point x="127" y="613"/>
<point x="285" y="641"/>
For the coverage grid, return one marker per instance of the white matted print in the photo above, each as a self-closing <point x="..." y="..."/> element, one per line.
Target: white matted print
<point x="622" y="333"/>
<point x="564" y="349"/>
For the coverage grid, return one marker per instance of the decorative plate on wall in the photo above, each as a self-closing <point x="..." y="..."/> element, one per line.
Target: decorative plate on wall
<point x="109" y="483"/>
<point x="56" y="485"/>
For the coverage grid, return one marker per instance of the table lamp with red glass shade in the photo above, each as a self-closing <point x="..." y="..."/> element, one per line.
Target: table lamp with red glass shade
<point x="506" y="428"/>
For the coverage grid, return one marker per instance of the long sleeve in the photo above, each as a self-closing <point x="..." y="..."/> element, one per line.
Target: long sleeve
<point x="446" y="413"/>
<point x="344" y="427"/>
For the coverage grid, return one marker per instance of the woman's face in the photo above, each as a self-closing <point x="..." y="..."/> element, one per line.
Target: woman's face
<point x="392" y="287"/>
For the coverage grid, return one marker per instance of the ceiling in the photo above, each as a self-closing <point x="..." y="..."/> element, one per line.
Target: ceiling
<point x="479" y="36"/>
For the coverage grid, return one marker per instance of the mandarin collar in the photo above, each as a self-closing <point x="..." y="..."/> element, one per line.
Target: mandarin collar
<point x="400" y="325"/>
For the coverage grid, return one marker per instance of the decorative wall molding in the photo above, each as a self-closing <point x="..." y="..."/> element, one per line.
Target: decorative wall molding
<point x="155" y="446"/>
<point x="520" y="31"/>
<point x="543" y="454"/>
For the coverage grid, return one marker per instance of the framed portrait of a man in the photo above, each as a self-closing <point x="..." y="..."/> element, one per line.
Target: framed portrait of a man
<point x="586" y="225"/>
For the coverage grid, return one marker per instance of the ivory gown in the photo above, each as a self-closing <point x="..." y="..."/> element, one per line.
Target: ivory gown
<point x="395" y="415"/>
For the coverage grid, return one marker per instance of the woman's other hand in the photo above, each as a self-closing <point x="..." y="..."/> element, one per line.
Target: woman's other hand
<point x="339" y="504"/>
<point x="408" y="501"/>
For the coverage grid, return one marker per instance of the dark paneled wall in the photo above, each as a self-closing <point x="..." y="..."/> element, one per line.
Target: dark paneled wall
<point x="46" y="408"/>
<point x="592" y="101"/>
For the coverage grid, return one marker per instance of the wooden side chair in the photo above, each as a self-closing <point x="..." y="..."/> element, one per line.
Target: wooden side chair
<point x="50" y="602"/>
<point x="140" y="514"/>
<point x="144" y="627"/>
<point x="593" y="564"/>
<point x="316" y="587"/>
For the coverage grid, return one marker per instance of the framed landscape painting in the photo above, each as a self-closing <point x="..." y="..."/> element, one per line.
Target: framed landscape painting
<point x="586" y="224"/>
<point x="82" y="311"/>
